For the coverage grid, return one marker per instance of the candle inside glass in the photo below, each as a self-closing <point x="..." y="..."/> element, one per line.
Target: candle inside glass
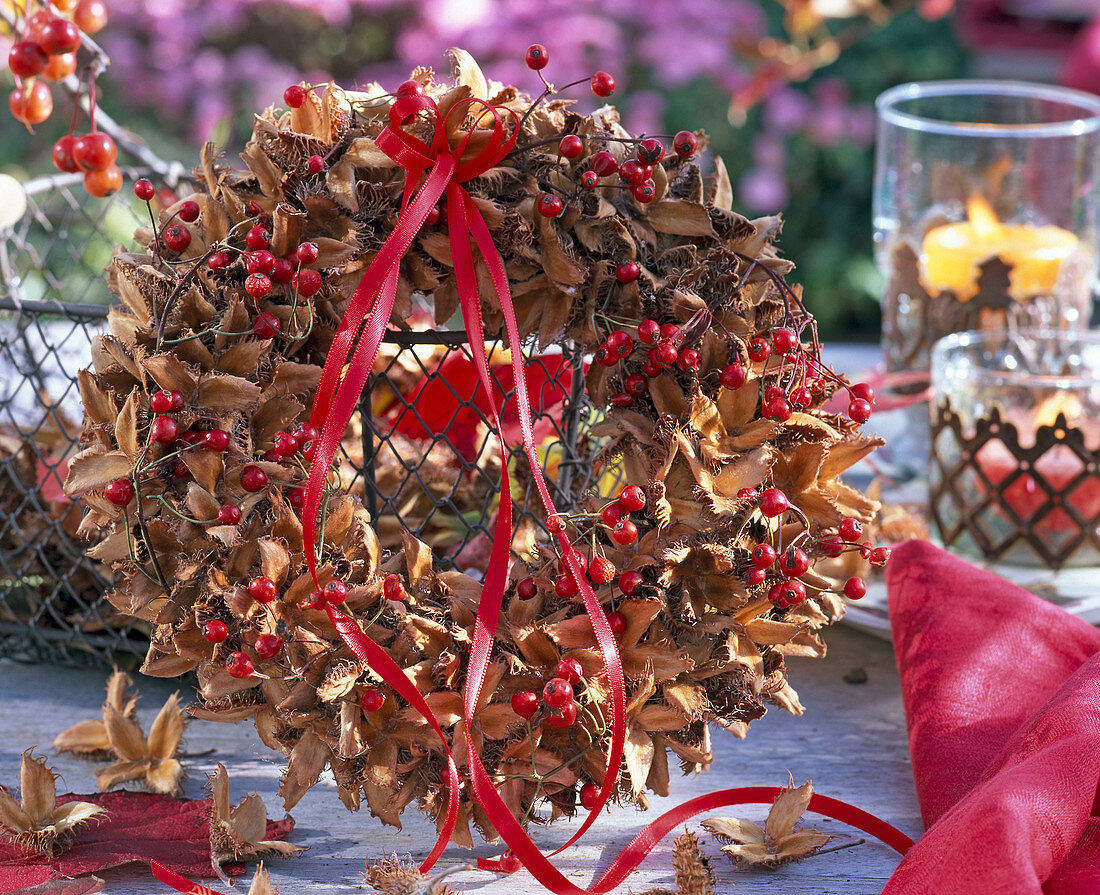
<point x="951" y="254"/>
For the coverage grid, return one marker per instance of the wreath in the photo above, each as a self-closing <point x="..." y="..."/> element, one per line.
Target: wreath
<point x="212" y="487"/>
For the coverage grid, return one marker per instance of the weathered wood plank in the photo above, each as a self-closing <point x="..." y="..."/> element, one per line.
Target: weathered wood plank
<point x="851" y="742"/>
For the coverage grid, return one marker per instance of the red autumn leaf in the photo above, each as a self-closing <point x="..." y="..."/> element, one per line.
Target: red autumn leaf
<point x="139" y="827"/>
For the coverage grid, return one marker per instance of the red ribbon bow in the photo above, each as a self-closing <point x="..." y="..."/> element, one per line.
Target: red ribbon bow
<point x="356" y="344"/>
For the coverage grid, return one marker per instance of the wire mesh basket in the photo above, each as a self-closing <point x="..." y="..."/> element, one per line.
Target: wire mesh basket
<point x="420" y="453"/>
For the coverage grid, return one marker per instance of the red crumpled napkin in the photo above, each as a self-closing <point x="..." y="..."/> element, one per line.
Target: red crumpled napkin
<point x="1002" y="700"/>
<point x="138" y="826"/>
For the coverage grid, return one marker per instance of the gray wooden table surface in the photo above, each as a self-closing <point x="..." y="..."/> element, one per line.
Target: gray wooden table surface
<point x="851" y="742"/>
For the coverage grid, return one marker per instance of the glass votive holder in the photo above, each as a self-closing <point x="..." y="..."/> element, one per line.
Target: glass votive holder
<point x="985" y="216"/>
<point x="1015" y="470"/>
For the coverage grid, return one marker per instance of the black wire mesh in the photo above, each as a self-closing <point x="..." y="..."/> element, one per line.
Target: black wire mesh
<point x="426" y="459"/>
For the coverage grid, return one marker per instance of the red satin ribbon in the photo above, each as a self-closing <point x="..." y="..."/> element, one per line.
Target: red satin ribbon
<point x="177" y="882"/>
<point x="356" y="345"/>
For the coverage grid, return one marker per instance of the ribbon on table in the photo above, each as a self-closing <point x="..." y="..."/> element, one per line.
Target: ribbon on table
<point x="440" y="170"/>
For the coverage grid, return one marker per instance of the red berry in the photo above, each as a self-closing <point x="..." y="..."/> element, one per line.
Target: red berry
<point x="261" y="261"/>
<point x="649" y="332"/>
<point x="630" y="581"/>
<point x="90" y="16"/>
<point x="747" y="494"/>
<point x="604" y="356"/>
<point x="272" y="456"/>
<point x="282" y="272"/>
<point x="59" y="36"/>
<point x="604" y="163"/>
<point x="617" y="622"/>
<point x="612" y="513"/>
<point x="602" y="570"/>
<point x="570" y="670"/>
<point x="645" y="192"/>
<point x="650" y="151"/>
<point x="571" y="146"/>
<point x="801" y="398"/>
<point x="652" y="370"/>
<point x="97" y="152"/>
<point x="103" y="183"/>
<point x="626" y="271"/>
<point x="188" y="210"/>
<point x="854" y="588"/>
<point x="164" y="430"/>
<point x="32" y="103"/>
<point x="687" y="359"/>
<point x="305" y="432"/>
<point x="773" y="502"/>
<point x="409" y="88"/>
<point x="620" y="343"/>
<point x="308" y="252"/>
<point x="557" y="693"/>
<point x="831" y="546"/>
<point x="850" y="529"/>
<point x="624" y="532"/>
<point x="307" y="282"/>
<point x="336" y="592"/>
<point x="215" y="631"/>
<point x="732" y="377"/>
<point x="239" y="665"/>
<point x="863" y="391"/>
<point x="216" y="440"/>
<point x="778" y="410"/>
<point x="784" y="340"/>
<point x="665" y="353"/>
<point x="176" y="237"/>
<point x="266" y="326"/>
<point x="756" y="576"/>
<point x="632" y="498"/>
<point x="372" y="699"/>
<point x="566" y="587"/>
<point x="636" y="384"/>
<point x="602" y="84"/>
<point x="285" y="444"/>
<point x="63" y="157"/>
<point x="119" y="492"/>
<point x="525" y="704"/>
<point x="763" y="555"/>
<point x="144" y="189"/>
<point x="670" y="332"/>
<point x="257" y="238"/>
<point x="565" y="717"/>
<point x="315" y="164"/>
<point x="228" y="514"/>
<point x="267" y="646"/>
<point x="536" y="57"/>
<point x="177" y="400"/>
<point x="219" y="261"/>
<point x="622" y="399"/>
<point x="393" y="589"/>
<point x="775" y="593"/>
<point x="161" y="402"/>
<point x="27" y="58"/>
<point x="180" y="470"/>
<point x="792" y="592"/>
<point x="759" y="350"/>
<point x="295" y="96"/>
<point x="859" y="410"/>
<point x="549" y="205"/>
<point x="794" y="562"/>
<point x="257" y="285"/>
<point x="253" y="478"/>
<point x="879" y="556"/>
<point x="527" y="589"/>
<point x="685" y="143"/>
<point x="634" y="172"/>
<point x="590" y="796"/>
<point x="590" y="180"/>
<point x="315" y="600"/>
<point x="262" y="589"/>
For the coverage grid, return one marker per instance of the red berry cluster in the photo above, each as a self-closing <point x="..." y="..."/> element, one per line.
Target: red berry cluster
<point x="659" y="347"/>
<point x="47" y="52"/>
<point x="784" y="565"/>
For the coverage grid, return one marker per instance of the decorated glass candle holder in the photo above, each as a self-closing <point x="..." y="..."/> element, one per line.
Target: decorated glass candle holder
<point x="985" y="209"/>
<point x="1015" y="471"/>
